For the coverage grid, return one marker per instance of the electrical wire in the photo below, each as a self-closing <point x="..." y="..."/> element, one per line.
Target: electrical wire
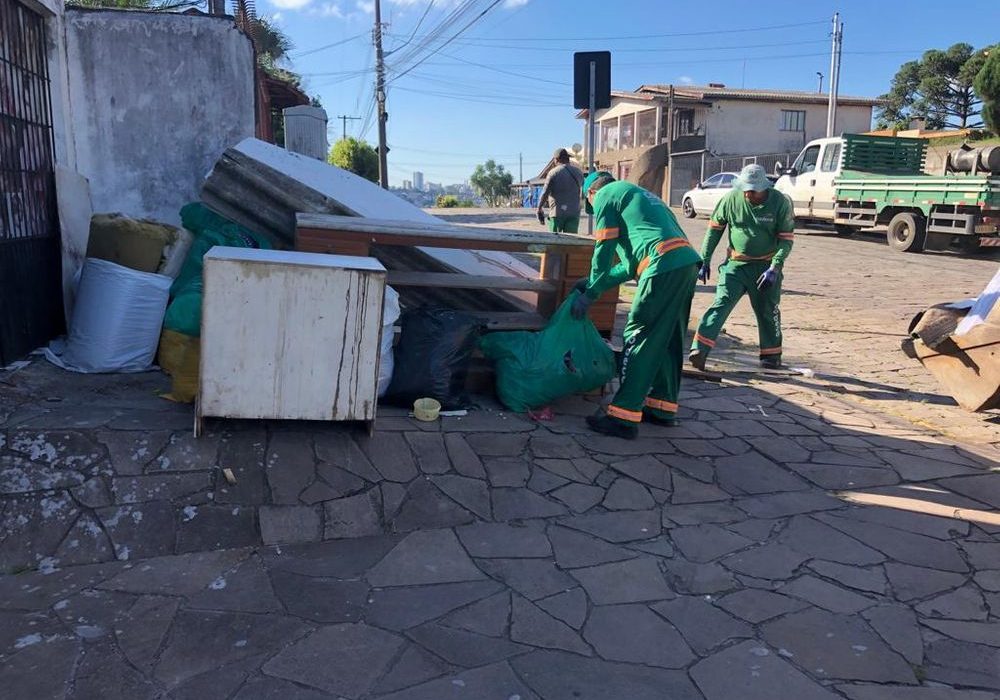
<point x="414" y="32"/>
<point x="300" y="54"/>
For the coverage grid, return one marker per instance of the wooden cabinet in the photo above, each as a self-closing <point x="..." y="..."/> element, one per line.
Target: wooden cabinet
<point x="290" y="335"/>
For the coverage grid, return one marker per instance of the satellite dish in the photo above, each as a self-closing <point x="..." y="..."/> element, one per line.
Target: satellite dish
<point x="576" y="148"/>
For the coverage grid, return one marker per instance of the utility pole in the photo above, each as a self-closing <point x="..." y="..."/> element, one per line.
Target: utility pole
<point x="383" y="151"/>
<point x="820" y="88"/>
<point x="838" y="43"/>
<point x="670" y="121"/>
<point x="344" y="118"/>
<point x="520" y="167"/>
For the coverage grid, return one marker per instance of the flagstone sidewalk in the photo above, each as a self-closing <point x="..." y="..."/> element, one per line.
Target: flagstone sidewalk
<point x="778" y="544"/>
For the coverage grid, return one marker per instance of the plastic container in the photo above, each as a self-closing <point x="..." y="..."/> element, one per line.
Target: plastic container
<point x="426" y="410"/>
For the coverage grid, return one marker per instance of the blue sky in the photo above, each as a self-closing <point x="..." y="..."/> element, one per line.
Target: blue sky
<point x="504" y="86"/>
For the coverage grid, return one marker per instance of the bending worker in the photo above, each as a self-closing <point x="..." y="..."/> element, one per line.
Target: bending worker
<point x="651" y="248"/>
<point x="562" y="187"/>
<point x="761" y="226"/>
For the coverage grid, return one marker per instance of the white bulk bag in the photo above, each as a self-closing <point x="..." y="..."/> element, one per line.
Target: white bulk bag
<point x="116" y="320"/>
<point x="390" y="314"/>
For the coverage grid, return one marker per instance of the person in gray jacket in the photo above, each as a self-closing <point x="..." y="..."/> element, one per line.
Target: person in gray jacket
<point x="562" y="188"/>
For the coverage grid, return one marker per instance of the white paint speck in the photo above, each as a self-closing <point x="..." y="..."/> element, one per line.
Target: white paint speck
<point x="458" y="682"/>
<point x="190" y="512"/>
<point x="241" y="643"/>
<point x="236" y="511"/>
<point x="760" y="651"/>
<point x="89" y="631"/>
<point x="787" y="654"/>
<point x="137" y="516"/>
<point x="28" y="640"/>
<point x="859" y="647"/>
<point x="218" y="584"/>
<point x="123" y="553"/>
<point x="48" y="565"/>
<point x="514" y="697"/>
<point x="60" y="605"/>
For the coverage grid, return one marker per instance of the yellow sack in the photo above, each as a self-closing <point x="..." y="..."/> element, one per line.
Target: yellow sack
<point x="180" y="357"/>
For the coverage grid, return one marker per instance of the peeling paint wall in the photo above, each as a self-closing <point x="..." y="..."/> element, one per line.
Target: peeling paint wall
<point x="154" y="100"/>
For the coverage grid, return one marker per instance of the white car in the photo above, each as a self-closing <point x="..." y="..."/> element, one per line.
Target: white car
<point x="703" y="198"/>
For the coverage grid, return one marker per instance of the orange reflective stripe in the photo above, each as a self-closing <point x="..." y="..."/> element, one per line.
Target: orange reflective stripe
<point x="606" y="234"/>
<point x="716" y="225"/>
<point x="750" y="258"/>
<point x="661" y="405"/>
<point x="699" y="338"/>
<point x="662" y="248"/>
<point x="770" y="351"/>
<point x="630" y="416"/>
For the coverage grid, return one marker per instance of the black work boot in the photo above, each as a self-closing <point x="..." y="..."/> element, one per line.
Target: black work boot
<point x="609" y="426"/>
<point x="651" y="417"/>
<point x="770" y="363"/>
<point x="697" y="359"/>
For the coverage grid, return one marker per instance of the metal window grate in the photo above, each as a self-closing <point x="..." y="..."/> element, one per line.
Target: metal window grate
<point x="30" y="269"/>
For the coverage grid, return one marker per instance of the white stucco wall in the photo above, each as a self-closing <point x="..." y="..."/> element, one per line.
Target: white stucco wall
<point x="153" y="100"/>
<point x="739" y="127"/>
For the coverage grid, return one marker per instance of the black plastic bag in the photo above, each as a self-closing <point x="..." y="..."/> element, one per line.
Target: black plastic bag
<point x="433" y="356"/>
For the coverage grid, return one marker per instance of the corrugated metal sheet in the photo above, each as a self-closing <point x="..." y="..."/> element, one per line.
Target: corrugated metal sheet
<point x="244" y="189"/>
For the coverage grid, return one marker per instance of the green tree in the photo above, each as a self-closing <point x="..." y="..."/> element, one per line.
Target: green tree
<point x="492" y="182"/>
<point x="987" y="85"/>
<point x="359" y="157"/>
<point x="938" y="87"/>
<point x="446" y="201"/>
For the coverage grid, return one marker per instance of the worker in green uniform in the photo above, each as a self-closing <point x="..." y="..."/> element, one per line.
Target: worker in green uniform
<point x="761" y="226"/>
<point x="651" y="248"/>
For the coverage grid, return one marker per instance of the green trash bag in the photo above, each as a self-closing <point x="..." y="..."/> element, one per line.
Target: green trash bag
<point x="535" y="369"/>
<point x="184" y="312"/>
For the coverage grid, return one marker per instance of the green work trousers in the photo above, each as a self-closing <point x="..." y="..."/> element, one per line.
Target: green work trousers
<point x="735" y="280"/>
<point x="564" y="224"/>
<point x="654" y="345"/>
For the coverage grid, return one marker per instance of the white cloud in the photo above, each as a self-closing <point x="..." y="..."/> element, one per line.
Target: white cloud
<point x="685" y="80"/>
<point x="511" y="4"/>
<point x="328" y="9"/>
<point x="290" y="4"/>
<point x="366" y="6"/>
<point x="277" y="17"/>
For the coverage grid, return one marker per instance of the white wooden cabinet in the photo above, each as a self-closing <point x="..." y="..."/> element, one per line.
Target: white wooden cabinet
<point x="289" y="335"/>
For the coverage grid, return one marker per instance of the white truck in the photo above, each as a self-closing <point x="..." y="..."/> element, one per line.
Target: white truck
<point x="859" y="181"/>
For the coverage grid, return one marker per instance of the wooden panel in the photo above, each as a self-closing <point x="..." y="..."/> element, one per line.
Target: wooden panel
<point x="401" y="278"/>
<point x="289" y="341"/>
<point x="337" y="246"/>
<point x="446" y="235"/>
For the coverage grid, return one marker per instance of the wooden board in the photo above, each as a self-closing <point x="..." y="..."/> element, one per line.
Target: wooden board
<point x="400" y="278"/>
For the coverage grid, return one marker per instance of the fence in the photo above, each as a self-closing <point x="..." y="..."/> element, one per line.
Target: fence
<point x="690" y="168"/>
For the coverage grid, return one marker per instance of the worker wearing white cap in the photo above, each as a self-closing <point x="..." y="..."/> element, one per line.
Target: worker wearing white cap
<point x="761" y="226"/>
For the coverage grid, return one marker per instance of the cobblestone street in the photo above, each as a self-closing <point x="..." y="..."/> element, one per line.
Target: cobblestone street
<point x="780" y="543"/>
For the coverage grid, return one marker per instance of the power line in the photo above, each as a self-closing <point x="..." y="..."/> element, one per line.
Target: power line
<point x="300" y="54"/>
<point x="707" y="32"/>
<point x="466" y="98"/>
<point x="455" y="36"/>
<point x="414" y="32"/>
<point x="672" y="49"/>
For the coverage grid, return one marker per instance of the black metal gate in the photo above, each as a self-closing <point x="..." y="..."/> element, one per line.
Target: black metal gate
<point x="31" y="308"/>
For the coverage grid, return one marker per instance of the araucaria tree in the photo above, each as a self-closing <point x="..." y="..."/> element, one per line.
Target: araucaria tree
<point x="938" y="88"/>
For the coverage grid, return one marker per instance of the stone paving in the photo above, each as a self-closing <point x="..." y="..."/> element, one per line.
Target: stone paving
<point x="777" y="544"/>
<point x="846" y="307"/>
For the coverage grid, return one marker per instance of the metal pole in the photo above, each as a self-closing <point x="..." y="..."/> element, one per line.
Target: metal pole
<point x="820" y="88"/>
<point x="670" y="121"/>
<point x="831" y="105"/>
<point x="835" y="85"/>
<point x="591" y="137"/>
<point x="343" y="118"/>
<point x="383" y="164"/>
<point x="520" y="167"/>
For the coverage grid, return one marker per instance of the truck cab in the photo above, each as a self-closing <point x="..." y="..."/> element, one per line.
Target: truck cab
<point x="808" y="181"/>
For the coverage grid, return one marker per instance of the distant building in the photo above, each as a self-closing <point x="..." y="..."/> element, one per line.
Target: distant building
<point x="418" y="180"/>
<point x="718" y="119"/>
<point x="407" y="184"/>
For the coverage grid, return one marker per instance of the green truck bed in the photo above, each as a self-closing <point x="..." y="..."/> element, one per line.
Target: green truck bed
<point x="921" y="191"/>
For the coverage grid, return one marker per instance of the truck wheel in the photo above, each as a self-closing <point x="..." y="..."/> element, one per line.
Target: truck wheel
<point x="688" y="208"/>
<point x="844" y="230"/>
<point x="907" y="232"/>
